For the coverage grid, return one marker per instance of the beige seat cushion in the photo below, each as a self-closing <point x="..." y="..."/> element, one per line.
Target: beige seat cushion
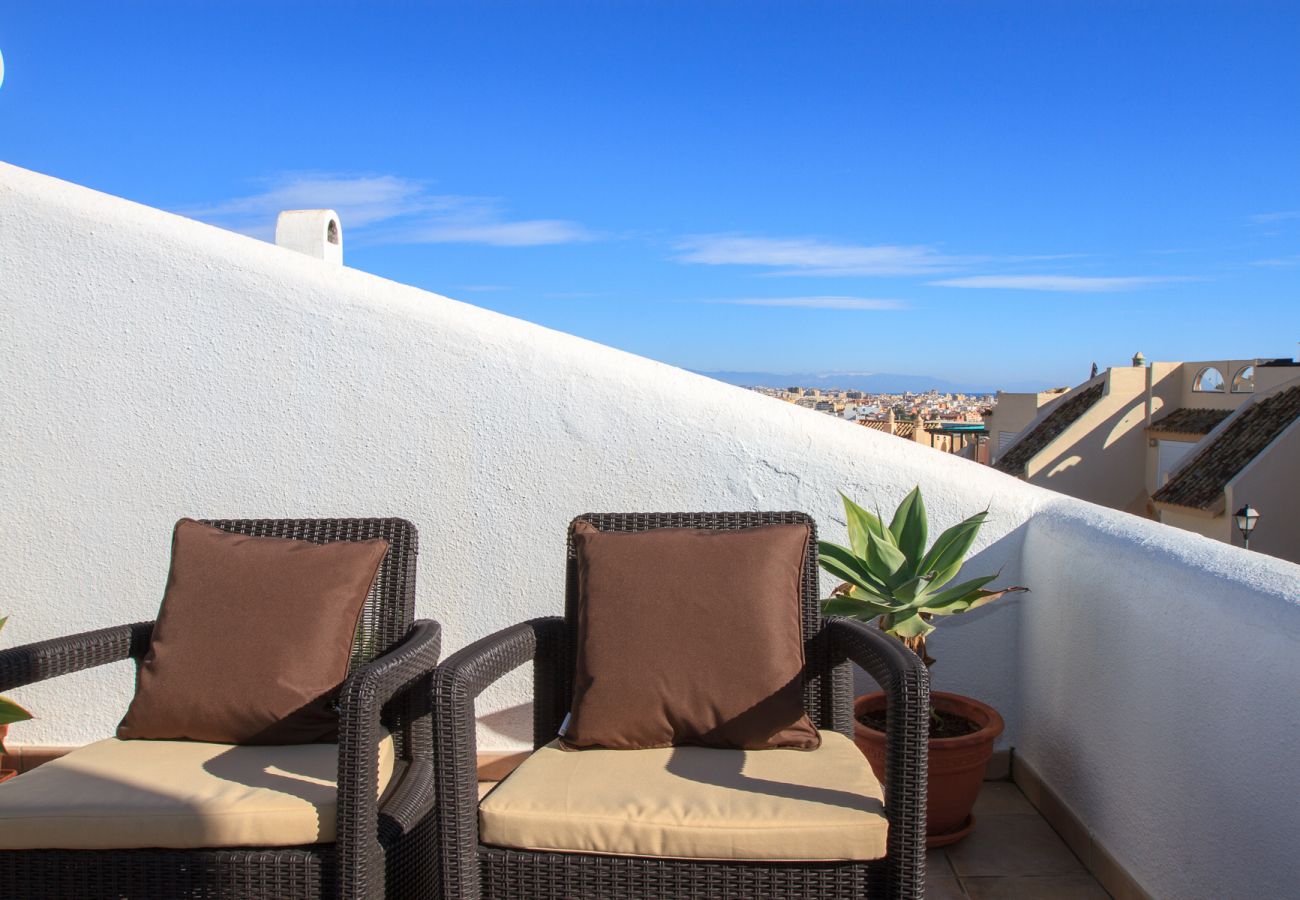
<point x="121" y="794"/>
<point x="693" y="803"/>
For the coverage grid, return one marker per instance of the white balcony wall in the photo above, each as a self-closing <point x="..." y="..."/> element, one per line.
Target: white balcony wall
<point x="156" y="367"/>
<point x="1160" y="699"/>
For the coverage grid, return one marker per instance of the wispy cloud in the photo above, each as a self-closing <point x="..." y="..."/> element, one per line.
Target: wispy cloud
<point x="474" y="220"/>
<point x="387" y="209"/>
<point x="810" y="256"/>
<point x="360" y="201"/>
<point x="1280" y="262"/>
<point x="574" y="295"/>
<point x="816" y="302"/>
<point x="1081" y="284"/>
<point x="1269" y="218"/>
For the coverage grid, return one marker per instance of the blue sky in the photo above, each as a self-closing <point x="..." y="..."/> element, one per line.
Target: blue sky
<point x="991" y="193"/>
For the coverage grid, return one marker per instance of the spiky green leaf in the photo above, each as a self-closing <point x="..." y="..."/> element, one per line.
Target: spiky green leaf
<point x="853" y="608"/>
<point x="858" y="592"/>
<point x="952" y="546"/>
<point x="912" y="626"/>
<point x="862" y="525"/>
<point x="841" y="562"/>
<point x="973" y="600"/>
<point x="871" y="596"/>
<point x="939" y="579"/>
<point x="910" y="530"/>
<point x="885" y="534"/>
<point x="910" y="590"/>
<point x="887" y="562"/>
<point x="936" y="601"/>
<point x="855" y="581"/>
<point x="11" y="712"/>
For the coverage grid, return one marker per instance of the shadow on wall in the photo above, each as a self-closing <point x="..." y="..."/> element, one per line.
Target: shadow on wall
<point x="961" y="644"/>
<point x="1106" y="464"/>
<point x="513" y="722"/>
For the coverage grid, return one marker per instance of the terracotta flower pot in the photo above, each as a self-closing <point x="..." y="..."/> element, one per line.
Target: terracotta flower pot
<point x="956" y="764"/>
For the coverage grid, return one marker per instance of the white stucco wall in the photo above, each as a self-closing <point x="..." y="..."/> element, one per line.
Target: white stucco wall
<point x="1159" y="682"/>
<point x="155" y="367"/>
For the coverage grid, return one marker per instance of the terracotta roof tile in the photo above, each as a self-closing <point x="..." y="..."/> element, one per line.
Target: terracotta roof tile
<point x="901" y="429"/>
<point x="1201" y="482"/>
<point x="1067" y="412"/>
<point x="1190" y="421"/>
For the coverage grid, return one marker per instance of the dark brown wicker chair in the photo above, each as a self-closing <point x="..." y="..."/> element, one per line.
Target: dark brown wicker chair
<point x="471" y="870"/>
<point x="384" y="848"/>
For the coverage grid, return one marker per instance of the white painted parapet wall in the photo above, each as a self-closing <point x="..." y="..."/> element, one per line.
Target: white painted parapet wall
<point x="160" y="367"/>
<point x="156" y="367"/>
<point x="1160" y="698"/>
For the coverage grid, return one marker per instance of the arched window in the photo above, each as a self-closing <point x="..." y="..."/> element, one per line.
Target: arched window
<point x="1209" y="381"/>
<point x="1244" y="381"/>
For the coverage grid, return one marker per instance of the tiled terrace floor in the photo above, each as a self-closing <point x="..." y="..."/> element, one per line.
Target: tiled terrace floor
<point x="1013" y="854"/>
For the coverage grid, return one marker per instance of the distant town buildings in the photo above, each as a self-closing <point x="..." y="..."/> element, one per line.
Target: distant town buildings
<point x="1184" y="443"/>
<point x="952" y="423"/>
<point x="855" y="405"/>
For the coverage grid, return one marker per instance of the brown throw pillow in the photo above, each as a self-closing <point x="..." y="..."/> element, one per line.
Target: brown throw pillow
<point x="253" y="638"/>
<point x="689" y="636"/>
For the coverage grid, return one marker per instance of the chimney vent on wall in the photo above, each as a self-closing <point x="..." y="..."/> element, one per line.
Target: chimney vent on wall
<point x="316" y="232"/>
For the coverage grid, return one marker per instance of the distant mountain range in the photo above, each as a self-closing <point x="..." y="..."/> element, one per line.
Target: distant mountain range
<point x="870" y="382"/>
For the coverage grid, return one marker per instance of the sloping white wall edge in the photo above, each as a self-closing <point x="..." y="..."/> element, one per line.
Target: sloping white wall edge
<point x="160" y="367"/>
<point x="156" y="367"/>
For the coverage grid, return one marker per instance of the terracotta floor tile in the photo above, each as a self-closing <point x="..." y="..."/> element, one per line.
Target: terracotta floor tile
<point x="1039" y="887"/>
<point x="1001" y="798"/>
<point x="1013" y="845"/>
<point x="940" y="880"/>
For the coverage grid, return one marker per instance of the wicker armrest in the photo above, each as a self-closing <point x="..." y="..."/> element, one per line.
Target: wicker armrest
<point x="906" y="683"/>
<point x="457" y="683"/>
<point x="406" y="669"/>
<point x="60" y="656"/>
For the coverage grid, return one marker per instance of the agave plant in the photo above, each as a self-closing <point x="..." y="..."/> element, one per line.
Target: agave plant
<point x="9" y="710"/>
<point x="890" y="577"/>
